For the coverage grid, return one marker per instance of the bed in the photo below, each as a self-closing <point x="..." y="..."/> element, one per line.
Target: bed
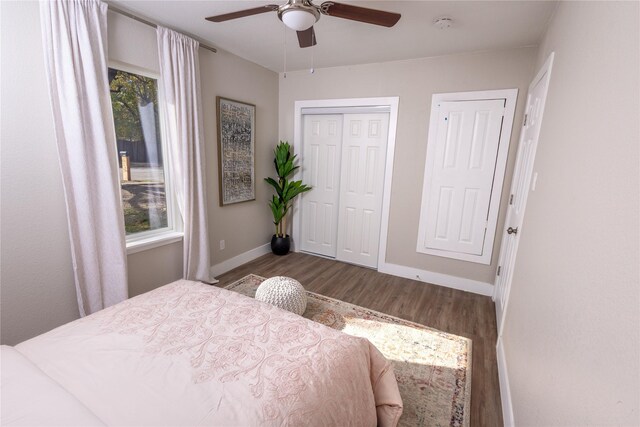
<point x="191" y="354"/>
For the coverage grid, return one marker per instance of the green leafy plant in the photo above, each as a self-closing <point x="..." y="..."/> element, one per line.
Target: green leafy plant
<point x="286" y="190"/>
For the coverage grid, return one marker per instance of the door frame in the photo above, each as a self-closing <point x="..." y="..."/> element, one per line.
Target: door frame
<point x="351" y="105"/>
<point x="544" y="72"/>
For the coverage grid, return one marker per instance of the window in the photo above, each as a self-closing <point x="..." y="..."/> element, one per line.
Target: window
<point x="146" y="201"/>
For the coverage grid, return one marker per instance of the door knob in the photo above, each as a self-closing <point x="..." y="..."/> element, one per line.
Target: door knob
<point x="512" y="230"/>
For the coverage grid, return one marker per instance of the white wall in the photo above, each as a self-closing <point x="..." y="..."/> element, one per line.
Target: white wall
<point x="36" y="277"/>
<point x="415" y="81"/>
<point x="572" y="337"/>
<point x="248" y="225"/>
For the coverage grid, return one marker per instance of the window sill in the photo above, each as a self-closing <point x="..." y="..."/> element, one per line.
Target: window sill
<point x="153" y="242"/>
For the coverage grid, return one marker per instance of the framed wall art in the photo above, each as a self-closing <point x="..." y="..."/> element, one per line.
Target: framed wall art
<point x="236" y="150"/>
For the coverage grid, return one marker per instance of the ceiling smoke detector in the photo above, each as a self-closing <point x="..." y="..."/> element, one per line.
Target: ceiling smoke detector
<point x="443" y="23"/>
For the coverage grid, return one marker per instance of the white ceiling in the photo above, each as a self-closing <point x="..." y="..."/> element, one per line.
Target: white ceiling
<point x="478" y="26"/>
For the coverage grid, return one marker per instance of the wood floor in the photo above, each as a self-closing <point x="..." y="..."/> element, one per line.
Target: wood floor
<point x="457" y="312"/>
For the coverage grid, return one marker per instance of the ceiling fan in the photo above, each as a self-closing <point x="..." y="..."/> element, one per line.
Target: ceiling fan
<point x="300" y="15"/>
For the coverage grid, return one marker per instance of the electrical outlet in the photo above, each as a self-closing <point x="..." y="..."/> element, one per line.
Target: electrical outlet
<point x="221" y="245"/>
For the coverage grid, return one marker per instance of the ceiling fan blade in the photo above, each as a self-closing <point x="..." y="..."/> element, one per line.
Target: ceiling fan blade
<point x="362" y="14"/>
<point x="307" y="38"/>
<point x="242" y="13"/>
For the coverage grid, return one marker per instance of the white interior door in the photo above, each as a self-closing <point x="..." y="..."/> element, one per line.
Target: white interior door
<point x="364" y="146"/>
<point x="320" y="170"/>
<point x="459" y="177"/>
<point x="520" y="187"/>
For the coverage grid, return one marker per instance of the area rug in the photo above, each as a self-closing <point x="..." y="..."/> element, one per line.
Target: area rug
<point x="433" y="368"/>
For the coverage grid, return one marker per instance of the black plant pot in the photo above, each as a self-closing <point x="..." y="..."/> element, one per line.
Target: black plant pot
<point x="280" y="245"/>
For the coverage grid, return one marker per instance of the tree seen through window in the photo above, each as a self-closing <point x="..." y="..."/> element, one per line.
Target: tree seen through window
<point x="134" y="100"/>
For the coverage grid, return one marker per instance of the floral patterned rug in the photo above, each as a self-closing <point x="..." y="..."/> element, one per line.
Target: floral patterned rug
<point x="433" y="368"/>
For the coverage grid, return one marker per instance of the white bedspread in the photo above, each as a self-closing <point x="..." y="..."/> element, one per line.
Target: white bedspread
<point x="31" y="398"/>
<point x="190" y="354"/>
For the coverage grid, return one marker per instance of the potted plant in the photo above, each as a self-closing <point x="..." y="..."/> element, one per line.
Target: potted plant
<point x="286" y="191"/>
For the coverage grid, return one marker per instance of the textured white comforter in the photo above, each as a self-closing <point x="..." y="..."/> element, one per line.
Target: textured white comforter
<point x="190" y="354"/>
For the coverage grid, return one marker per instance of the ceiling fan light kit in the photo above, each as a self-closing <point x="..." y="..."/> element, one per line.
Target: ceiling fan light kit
<point x="298" y="20"/>
<point x="301" y="15"/>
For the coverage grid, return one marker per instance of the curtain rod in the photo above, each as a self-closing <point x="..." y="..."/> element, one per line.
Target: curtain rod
<point x="152" y="24"/>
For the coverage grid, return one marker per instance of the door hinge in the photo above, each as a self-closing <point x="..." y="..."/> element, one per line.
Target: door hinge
<point x="499" y="268"/>
<point x="526" y="116"/>
<point x="511" y="199"/>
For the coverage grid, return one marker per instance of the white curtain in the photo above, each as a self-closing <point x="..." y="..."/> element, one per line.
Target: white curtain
<point x="74" y="35"/>
<point x="181" y="112"/>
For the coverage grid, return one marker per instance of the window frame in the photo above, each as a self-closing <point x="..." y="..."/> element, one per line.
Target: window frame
<point x="174" y="232"/>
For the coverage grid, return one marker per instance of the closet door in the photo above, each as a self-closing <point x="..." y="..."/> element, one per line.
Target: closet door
<point x="364" y="146"/>
<point x="459" y="176"/>
<point x="320" y="170"/>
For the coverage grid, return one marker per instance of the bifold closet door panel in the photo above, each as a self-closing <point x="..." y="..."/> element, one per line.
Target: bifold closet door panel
<point x="321" y="170"/>
<point x="364" y="145"/>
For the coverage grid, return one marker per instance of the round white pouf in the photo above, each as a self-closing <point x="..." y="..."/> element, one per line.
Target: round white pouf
<point x="283" y="292"/>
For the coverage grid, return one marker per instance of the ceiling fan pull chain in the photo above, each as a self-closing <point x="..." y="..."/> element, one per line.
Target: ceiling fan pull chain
<point x="313" y="53"/>
<point x="284" y="31"/>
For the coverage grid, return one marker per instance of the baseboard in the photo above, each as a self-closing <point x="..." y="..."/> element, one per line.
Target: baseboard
<point x="238" y="260"/>
<point x="460" y="283"/>
<point x="505" y="391"/>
